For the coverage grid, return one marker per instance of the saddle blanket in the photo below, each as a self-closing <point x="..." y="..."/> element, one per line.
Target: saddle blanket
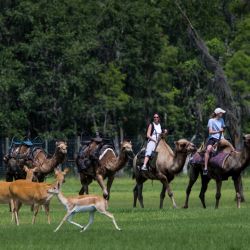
<point x="217" y="160"/>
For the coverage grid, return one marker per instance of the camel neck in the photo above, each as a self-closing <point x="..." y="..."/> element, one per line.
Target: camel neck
<point x="244" y="157"/>
<point x="121" y="161"/>
<point x="179" y="162"/>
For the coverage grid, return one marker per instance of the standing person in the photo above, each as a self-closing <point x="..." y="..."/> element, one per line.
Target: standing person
<point x="216" y="127"/>
<point x="153" y="132"/>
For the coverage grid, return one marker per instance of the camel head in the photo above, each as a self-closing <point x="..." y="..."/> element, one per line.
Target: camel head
<point x="126" y="147"/>
<point x="246" y="140"/>
<point x="61" y="147"/>
<point x="184" y="146"/>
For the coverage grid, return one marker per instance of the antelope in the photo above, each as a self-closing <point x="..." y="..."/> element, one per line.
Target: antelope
<point x="34" y="193"/>
<point x="5" y="195"/>
<point x="82" y="203"/>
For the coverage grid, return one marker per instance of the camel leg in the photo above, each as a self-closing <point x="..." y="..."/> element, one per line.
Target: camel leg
<point x="139" y="185"/>
<point x="135" y="191"/>
<point x="85" y="181"/>
<point x="166" y="187"/>
<point x="204" y="183"/>
<point x="82" y="190"/>
<point x="109" y="184"/>
<point x="162" y="195"/>
<point x="140" y="196"/>
<point x="242" y="197"/>
<point x="237" y="189"/>
<point x="193" y="175"/>
<point x="100" y="181"/>
<point x="218" y="192"/>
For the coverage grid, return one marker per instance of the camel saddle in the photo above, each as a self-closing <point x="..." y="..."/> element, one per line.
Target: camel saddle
<point x="85" y="162"/>
<point x="216" y="159"/>
<point x="152" y="159"/>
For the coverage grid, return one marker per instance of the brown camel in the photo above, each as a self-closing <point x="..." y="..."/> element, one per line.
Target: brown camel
<point x="106" y="167"/>
<point x="168" y="164"/>
<point x="233" y="166"/>
<point x="36" y="159"/>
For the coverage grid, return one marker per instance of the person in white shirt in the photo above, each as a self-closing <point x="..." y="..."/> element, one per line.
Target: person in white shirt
<point x="153" y="132"/>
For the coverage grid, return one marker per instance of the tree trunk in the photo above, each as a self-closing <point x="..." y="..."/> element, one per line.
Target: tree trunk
<point x="220" y="87"/>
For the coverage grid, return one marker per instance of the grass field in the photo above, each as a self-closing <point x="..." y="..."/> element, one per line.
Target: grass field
<point x="148" y="228"/>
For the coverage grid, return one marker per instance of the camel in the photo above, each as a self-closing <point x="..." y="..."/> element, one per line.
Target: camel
<point x="106" y="167"/>
<point x="36" y="159"/>
<point x="167" y="165"/>
<point x="233" y="166"/>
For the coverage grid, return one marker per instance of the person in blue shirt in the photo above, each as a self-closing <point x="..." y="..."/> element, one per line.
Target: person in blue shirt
<point x="216" y="127"/>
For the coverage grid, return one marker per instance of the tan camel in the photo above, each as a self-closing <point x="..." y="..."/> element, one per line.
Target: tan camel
<point x="168" y="164"/>
<point x="233" y="166"/>
<point x="36" y="159"/>
<point x="106" y="167"/>
<point x="47" y="165"/>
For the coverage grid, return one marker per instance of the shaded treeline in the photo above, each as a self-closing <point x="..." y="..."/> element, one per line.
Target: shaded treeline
<point x="73" y="67"/>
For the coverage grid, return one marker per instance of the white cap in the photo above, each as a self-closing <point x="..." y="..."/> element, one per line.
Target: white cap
<point x="219" y="110"/>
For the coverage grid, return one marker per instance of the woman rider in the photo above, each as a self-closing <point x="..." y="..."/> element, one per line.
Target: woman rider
<point x="153" y="132"/>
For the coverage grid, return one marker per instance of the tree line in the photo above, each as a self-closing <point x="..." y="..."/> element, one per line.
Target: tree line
<point x="76" y="67"/>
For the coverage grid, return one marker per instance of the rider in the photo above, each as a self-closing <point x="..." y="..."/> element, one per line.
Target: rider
<point x="216" y="127"/>
<point x="153" y="132"/>
<point x="88" y="155"/>
<point x="99" y="142"/>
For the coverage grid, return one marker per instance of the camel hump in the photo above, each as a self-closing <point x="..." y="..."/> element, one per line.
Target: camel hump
<point x="107" y="150"/>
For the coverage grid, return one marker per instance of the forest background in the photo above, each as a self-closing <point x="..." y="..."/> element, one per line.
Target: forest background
<point x="75" y="67"/>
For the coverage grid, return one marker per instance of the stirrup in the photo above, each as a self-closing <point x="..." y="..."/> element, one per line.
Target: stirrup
<point x="205" y="172"/>
<point x="144" y="168"/>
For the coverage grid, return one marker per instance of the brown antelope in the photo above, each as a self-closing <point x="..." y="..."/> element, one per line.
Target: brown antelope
<point x="82" y="203"/>
<point x="5" y="195"/>
<point x="34" y="193"/>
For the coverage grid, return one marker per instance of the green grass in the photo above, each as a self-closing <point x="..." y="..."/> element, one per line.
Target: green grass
<point x="148" y="228"/>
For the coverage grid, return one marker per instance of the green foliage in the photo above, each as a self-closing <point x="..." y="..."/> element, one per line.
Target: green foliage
<point x="216" y="48"/>
<point x="71" y="67"/>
